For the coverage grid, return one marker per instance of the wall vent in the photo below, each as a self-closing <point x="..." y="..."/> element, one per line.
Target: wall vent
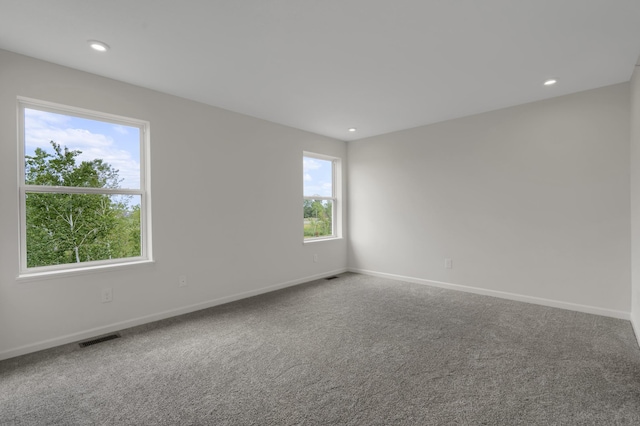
<point x="99" y="340"/>
<point x="331" y="278"/>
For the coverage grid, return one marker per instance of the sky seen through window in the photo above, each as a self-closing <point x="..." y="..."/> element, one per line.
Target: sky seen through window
<point x="317" y="177"/>
<point x="116" y="144"/>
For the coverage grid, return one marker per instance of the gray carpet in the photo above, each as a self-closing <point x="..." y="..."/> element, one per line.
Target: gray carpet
<point x="352" y="351"/>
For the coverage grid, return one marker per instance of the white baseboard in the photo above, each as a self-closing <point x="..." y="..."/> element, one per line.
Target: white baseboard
<point x="503" y="295"/>
<point x="86" y="334"/>
<point x="636" y="328"/>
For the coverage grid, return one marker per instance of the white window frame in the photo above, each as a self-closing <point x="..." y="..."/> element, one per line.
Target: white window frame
<point x="143" y="192"/>
<point x="335" y="198"/>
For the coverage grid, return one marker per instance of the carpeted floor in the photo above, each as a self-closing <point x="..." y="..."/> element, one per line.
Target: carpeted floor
<point x="356" y="350"/>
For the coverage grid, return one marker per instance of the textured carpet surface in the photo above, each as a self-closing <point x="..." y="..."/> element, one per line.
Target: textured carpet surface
<point x="356" y="350"/>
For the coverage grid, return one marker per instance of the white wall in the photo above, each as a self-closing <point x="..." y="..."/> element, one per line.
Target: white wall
<point x="531" y="200"/>
<point x="635" y="201"/>
<point x="227" y="203"/>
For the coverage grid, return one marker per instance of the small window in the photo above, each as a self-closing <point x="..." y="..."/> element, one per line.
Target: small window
<point x="84" y="196"/>
<point x="320" y="217"/>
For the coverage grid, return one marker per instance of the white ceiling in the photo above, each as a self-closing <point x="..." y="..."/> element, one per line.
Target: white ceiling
<point x="327" y="65"/>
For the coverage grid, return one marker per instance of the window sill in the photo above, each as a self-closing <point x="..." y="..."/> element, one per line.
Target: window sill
<point x="48" y="275"/>
<point x="317" y="240"/>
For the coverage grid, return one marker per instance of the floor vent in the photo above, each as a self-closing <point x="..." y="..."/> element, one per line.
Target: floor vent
<point x="99" y="340"/>
<point x="331" y="278"/>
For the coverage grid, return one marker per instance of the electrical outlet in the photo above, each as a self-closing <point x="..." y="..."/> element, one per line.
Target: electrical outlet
<point x="182" y="281"/>
<point x="448" y="264"/>
<point x="315" y="258"/>
<point x="107" y="295"/>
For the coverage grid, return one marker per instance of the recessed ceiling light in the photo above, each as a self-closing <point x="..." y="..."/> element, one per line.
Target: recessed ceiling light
<point x="352" y="129"/>
<point x="550" y="82"/>
<point x="98" y="45"/>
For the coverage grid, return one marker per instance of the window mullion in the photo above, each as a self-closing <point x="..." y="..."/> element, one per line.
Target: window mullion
<point x="317" y="197"/>
<point x="80" y="190"/>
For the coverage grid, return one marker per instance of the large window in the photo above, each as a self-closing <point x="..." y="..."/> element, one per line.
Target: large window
<point x="320" y="183"/>
<point x="84" y="197"/>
